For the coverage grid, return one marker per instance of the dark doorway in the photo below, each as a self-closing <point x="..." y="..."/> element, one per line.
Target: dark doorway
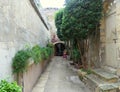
<point x="59" y="48"/>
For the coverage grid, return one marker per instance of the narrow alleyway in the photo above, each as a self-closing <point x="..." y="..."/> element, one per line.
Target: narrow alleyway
<point x="59" y="77"/>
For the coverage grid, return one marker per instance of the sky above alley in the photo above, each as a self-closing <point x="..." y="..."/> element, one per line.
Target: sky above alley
<point x="52" y="3"/>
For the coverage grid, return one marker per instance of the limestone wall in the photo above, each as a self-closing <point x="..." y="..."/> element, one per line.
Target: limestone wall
<point x="110" y="35"/>
<point x="118" y="32"/>
<point x="50" y="13"/>
<point x="19" y="25"/>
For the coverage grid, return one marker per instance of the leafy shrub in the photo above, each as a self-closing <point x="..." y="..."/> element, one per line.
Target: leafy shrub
<point x="36" y="54"/>
<point x="20" y="61"/>
<point x="9" y="87"/>
<point x="44" y="53"/>
<point x="50" y="49"/>
<point x="50" y="45"/>
<point x="76" y="54"/>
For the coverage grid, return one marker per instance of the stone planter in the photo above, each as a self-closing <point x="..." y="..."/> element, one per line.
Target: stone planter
<point x="29" y="78"/>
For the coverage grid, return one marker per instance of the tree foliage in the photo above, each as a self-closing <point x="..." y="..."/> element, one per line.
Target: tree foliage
<point x="79" y="21"/>
<point x="81" y="17"/>
<point x="58" y="22"/>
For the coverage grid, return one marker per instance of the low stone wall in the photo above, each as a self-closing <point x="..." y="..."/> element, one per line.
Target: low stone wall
<point x="29" y="78"/>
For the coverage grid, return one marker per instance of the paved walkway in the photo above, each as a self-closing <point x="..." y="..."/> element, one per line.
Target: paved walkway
<point x="59" y="77"/>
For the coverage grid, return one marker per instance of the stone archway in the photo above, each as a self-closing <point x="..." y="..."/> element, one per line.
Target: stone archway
<point x="59" y="48"/>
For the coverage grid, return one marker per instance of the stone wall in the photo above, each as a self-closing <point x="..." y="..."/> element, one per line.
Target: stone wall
<point x="118" y="32"/>
<point x="20" y="25"/>
<point x="102" y="42"/>
<point x="110" y="35"/>
<point x="50" y="13"/>
<point x="109" y="42"/>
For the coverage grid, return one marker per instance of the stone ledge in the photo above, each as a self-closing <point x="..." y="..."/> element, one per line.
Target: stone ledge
<point x="106" y="87"/>
<point x="112" y="87"/>
<point x="109" y="69"/>
<point x="100" y="85"/>
<point x="95" y="79"/>
<point x="108" y="77"/>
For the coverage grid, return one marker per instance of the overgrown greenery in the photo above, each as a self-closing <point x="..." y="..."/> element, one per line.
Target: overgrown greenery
<point x="80" y="21"/>
<point x="6" y="86"/>
<point x="45" y="54"/>
<point x="37" y="54"/>
<point x="20" y="60"/>
<point x="76" y="55"/>
<point x="50" y="49"/>
<point x="81" y="17"/>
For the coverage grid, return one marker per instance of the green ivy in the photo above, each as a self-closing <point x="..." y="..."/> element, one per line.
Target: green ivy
<point x="5" y="86"/>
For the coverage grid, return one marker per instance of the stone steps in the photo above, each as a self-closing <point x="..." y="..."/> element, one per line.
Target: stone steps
<point x="106" y="76"/>
<point x="109" y="69"/>
<point x="95" y="79"/>
<point x="93" y="82"/>
<point x="98" y="85"/>
<point x="102" y="81"/>
<point x="108" y="88"/>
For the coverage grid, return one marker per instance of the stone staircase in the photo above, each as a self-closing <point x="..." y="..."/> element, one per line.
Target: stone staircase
<point x="103" y="80"/>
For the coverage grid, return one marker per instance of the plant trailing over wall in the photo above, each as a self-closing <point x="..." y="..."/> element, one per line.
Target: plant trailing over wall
<point x="9" y="87"/>
<point x="36" y="54"/>
<point x="50" y="48"/>
<point x="20" y="61"/>
<point x="45" y="54"/>
<point x="50" y="45"/>
<point x="49" y="51"/>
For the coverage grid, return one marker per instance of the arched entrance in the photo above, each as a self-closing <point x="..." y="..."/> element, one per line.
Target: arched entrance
<point x="59" y="48"/>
